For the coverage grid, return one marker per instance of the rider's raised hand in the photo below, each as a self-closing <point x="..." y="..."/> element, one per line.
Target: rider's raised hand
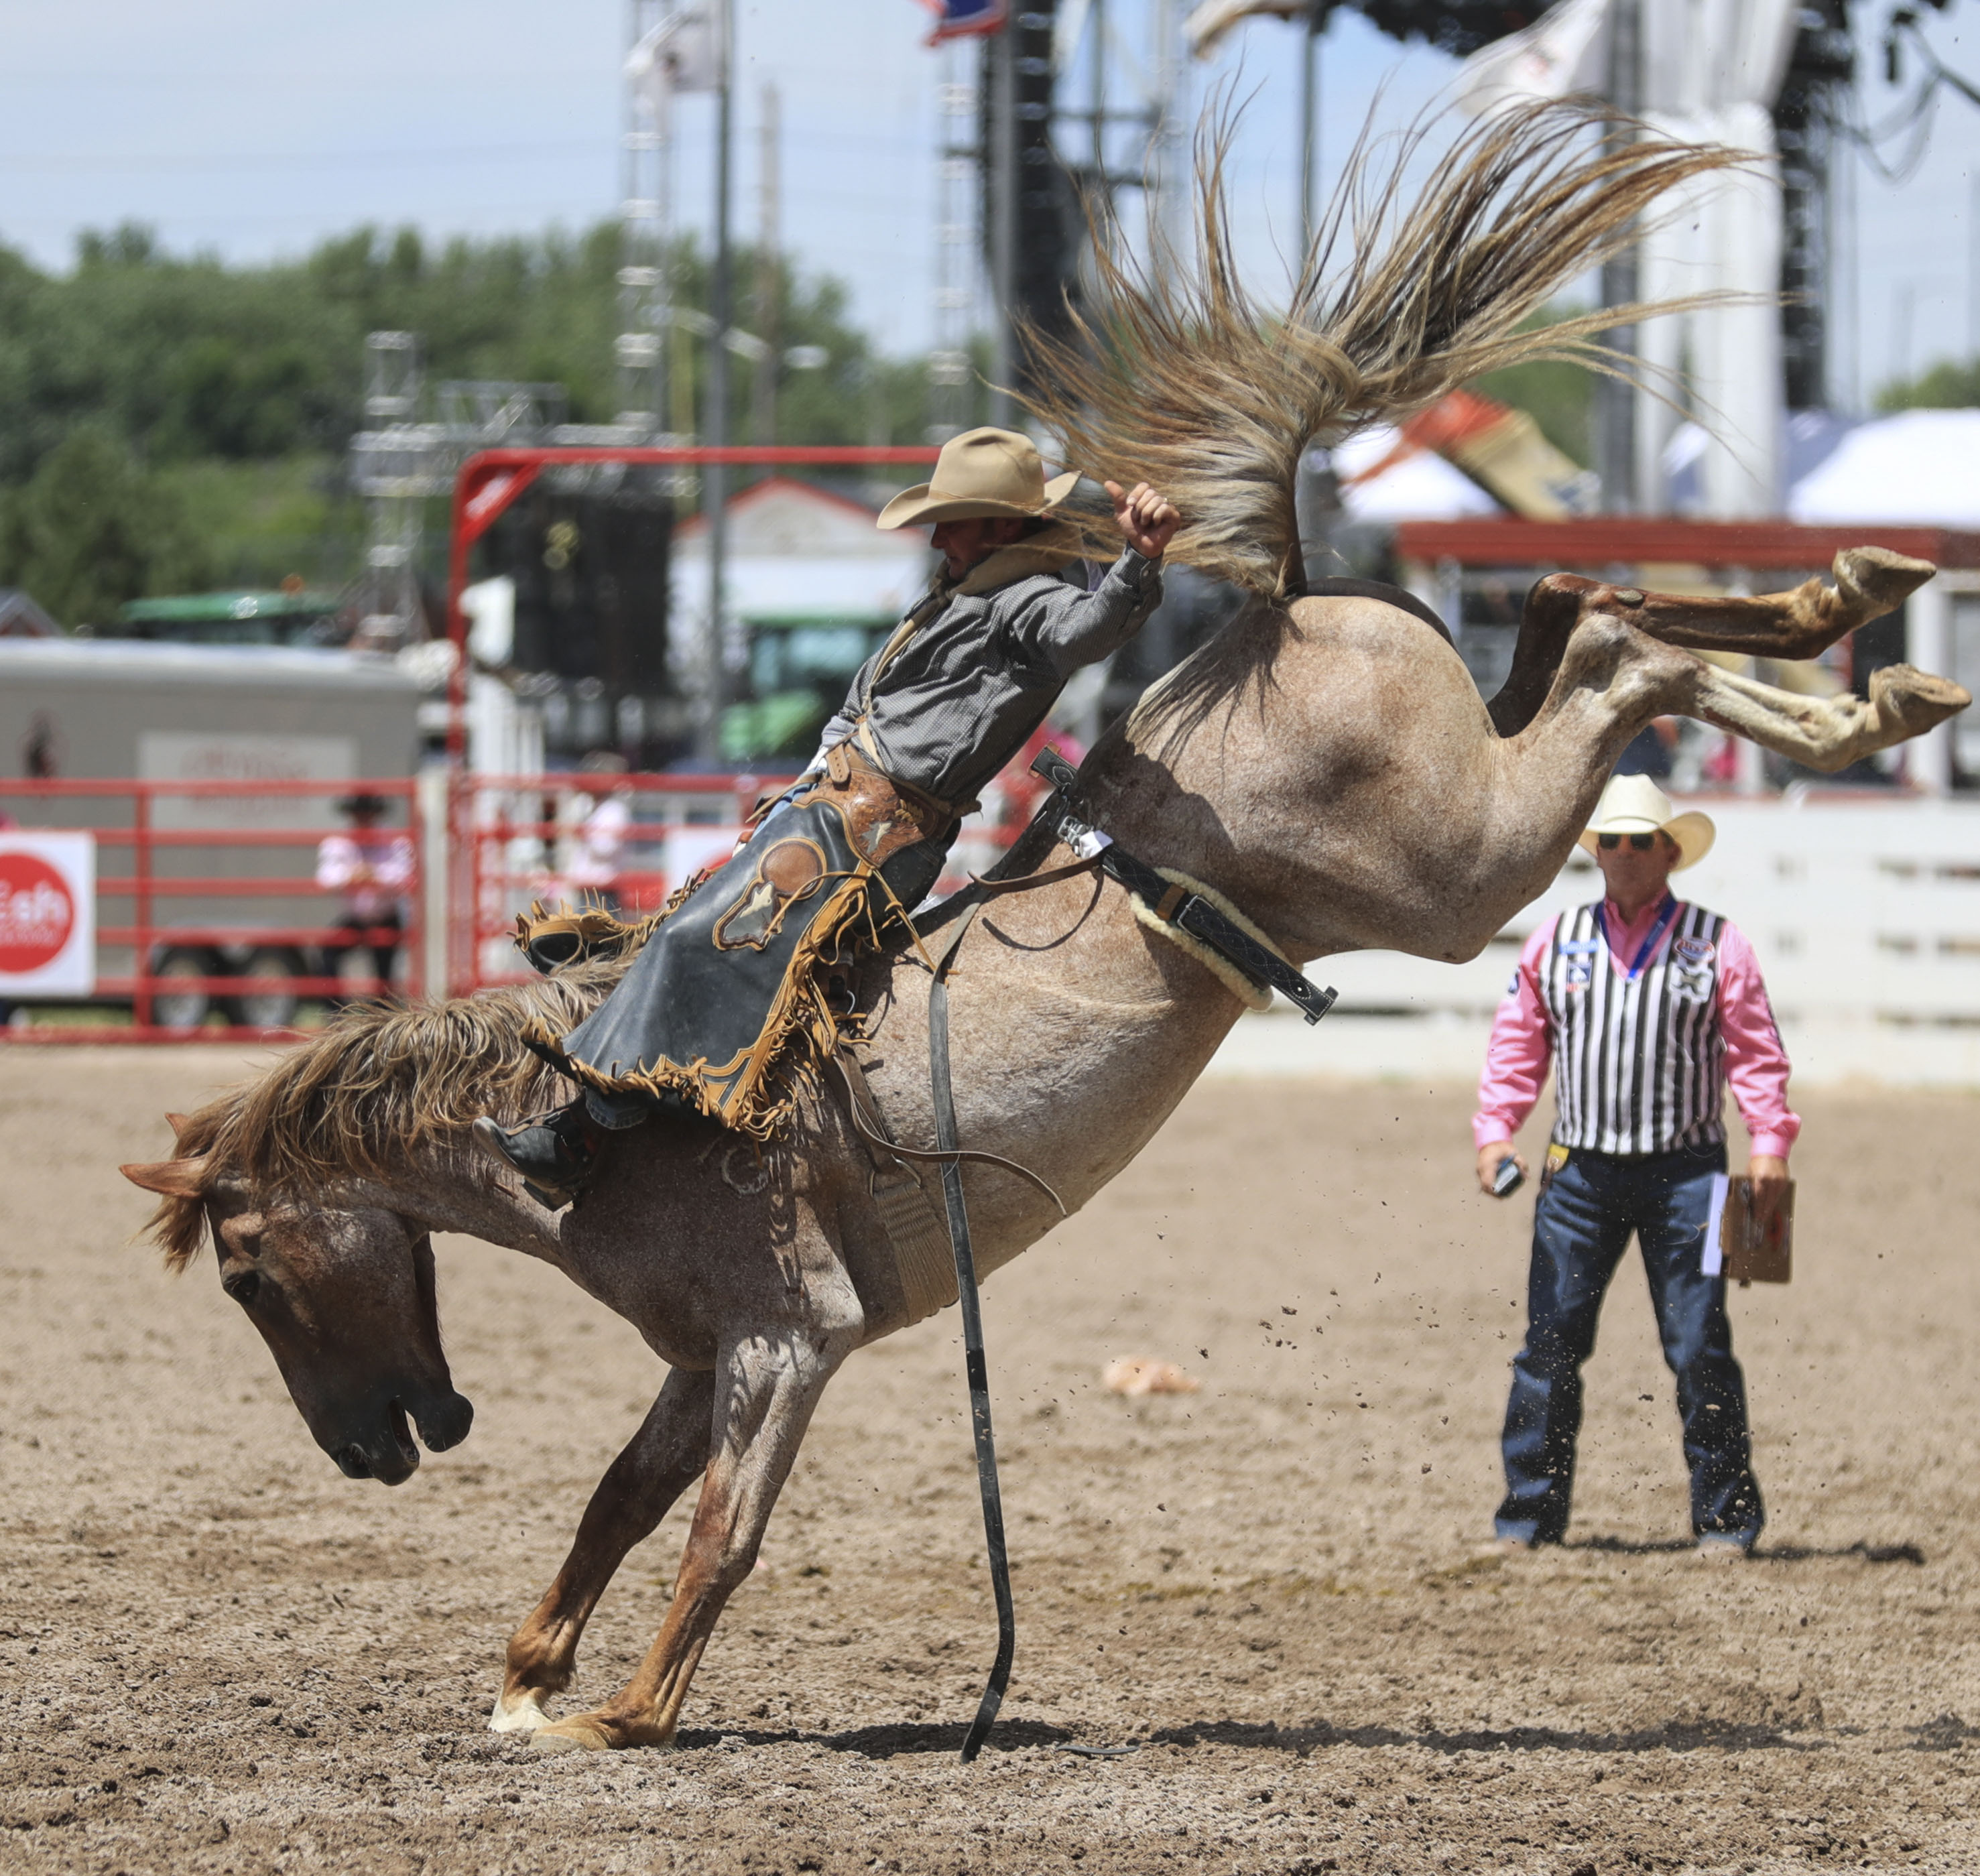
<point x="1146" y="519"/>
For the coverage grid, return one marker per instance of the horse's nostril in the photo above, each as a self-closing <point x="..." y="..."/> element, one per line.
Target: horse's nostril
<point x="351" y="1462"/>
<point x="446" y="1425"/>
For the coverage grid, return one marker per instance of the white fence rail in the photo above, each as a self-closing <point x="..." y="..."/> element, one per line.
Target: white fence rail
<point x="1865" y="914"/>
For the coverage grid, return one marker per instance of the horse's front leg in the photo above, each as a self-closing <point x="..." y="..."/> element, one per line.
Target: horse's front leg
<point x="767" y="1385"/>
<point x="665" y="1456"/>
<point x="1801" y="623"/>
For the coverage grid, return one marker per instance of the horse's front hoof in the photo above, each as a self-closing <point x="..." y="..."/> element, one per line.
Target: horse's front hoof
<point x="517" y="1713"/>
<point x="595" y="1732"/>
<point x="578" y="1734"/>
<point x="1875" y="581"/>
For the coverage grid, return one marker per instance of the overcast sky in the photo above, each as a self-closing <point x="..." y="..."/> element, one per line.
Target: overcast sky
<point x="255" y="130"/>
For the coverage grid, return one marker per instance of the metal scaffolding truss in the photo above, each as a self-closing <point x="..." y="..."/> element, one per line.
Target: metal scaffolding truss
<point x="410" y="458"/>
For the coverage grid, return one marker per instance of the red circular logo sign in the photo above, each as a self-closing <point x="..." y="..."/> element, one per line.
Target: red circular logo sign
<point x="36" y="912"/>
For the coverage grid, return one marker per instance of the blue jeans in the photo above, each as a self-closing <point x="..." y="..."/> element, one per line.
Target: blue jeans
<point x="1581" y="1227"/>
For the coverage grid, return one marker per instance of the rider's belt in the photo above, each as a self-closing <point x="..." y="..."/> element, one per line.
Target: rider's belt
<point x="1173" y="902"/>
<point x="862" y="746"/>
<point x="882" y="815"/>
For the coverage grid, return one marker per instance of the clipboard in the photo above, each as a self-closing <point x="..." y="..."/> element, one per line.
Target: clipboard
<point x="1751" y="1255"/>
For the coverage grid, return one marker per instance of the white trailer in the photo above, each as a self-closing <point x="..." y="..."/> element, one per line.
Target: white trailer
<point x="122" y="710"/>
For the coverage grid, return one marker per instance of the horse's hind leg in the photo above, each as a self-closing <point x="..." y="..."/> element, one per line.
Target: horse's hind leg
<point x="767" y="1384"/>
<point x="1869" y="582"/>
<point x="665" y="1456"/>
<point x="1827" y="733"/>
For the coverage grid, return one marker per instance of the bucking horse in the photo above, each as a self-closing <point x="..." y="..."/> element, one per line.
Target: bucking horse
<point x="1325" y="764"/>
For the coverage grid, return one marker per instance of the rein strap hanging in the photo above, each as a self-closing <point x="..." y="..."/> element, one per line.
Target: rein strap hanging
<point x="943" y="1095"/>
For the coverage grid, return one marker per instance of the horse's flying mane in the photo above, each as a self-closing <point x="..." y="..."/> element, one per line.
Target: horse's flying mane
<point x="1175" y="374"/>
<point x="378" y="1083"/>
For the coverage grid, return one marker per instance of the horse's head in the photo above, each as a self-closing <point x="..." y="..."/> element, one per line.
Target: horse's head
<point x="344" y="1296"/>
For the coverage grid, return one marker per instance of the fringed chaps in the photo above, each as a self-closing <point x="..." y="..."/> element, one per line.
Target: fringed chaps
<point x="722" y="1006"/>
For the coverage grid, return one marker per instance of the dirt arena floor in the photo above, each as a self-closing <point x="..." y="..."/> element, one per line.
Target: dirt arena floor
<point x="216" y="1654"/>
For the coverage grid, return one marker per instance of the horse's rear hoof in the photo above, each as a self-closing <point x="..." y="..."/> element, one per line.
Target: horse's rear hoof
<point x="1917" y="700"/>
<point x="568" y="1736"/>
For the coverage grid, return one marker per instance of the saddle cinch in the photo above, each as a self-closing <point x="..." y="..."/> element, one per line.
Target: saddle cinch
<point x="721" y="1007"/>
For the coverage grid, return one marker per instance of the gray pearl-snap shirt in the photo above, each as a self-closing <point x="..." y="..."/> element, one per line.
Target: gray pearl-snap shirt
<point x="947" y="708"/>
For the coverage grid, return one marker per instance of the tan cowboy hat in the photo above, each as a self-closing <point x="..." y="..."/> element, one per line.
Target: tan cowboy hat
<point x="1636" y="804"/>
<point x="982" y="472"/>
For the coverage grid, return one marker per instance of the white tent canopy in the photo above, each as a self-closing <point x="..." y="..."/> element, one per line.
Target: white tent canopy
<point x="1921" y="467"/>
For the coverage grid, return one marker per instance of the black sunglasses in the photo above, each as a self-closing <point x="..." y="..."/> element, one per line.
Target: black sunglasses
<point x="1609" y="842"/>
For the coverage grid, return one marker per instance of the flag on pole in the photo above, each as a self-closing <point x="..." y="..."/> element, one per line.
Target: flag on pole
<point x="967" y="19"/>
<point x="1204" y="29"/>
<point x="1565" y="50"/>
<point x="682" y="53"/>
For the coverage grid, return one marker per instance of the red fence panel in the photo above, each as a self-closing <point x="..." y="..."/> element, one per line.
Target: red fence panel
<point x="623" y="841"/>
<point x="207" y="904"/>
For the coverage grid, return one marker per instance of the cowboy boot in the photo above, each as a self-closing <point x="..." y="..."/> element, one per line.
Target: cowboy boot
<point x="555" y="1153"/>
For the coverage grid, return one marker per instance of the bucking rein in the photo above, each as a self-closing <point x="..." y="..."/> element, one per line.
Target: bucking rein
<point x="1190" y="914"/>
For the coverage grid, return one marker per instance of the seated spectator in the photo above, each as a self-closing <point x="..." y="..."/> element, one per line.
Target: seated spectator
<point x="371" y="867"/>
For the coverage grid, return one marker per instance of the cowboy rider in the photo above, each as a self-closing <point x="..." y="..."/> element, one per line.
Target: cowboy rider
<point x="932" y="716"/>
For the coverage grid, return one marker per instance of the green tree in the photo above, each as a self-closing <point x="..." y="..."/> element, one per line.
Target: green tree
<point x="92" y="530"/>
<point x="188" y="359"/>
<point x="1560" y="396"/>
<point x="1947" y="386"/>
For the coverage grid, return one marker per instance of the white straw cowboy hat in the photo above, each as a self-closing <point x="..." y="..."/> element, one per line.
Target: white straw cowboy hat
<point x="983" y="473"/>
<point x="1636" y="804"/>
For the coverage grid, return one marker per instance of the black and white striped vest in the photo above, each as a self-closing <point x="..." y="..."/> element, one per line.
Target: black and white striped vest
<point x="1639" y="1064"/>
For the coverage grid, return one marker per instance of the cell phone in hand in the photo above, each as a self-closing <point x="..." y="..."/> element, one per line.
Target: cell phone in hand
<point x="1508" y="1179"/>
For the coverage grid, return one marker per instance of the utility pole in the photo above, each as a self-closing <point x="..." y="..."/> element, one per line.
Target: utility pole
<point x="1973" y="268"/>
<point x="715" y="478"/>
<point x="1309" y="127"/>
<point x="1097" y="24"/>
<point x="1616" y="399"/>
<point x="763" y="426"/>
<point x="1169" y="192"/>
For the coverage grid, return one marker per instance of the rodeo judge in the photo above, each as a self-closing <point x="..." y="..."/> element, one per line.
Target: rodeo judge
<point x="1647" y="1007"/>
<point x="721" y="1002"/>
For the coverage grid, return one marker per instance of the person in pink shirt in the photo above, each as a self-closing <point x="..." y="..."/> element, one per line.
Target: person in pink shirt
<point x="1646" y="1008"/>
<point x="371" y="868"/>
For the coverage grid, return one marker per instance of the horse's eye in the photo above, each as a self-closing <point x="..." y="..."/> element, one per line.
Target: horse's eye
<point x="242" y="1285"/>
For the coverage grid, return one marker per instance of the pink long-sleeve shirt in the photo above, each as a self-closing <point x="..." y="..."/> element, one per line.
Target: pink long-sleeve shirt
<point x="1521" y="1046"/>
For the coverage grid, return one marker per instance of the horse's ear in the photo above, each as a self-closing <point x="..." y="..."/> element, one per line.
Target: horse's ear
<point x="177" y="1122"/>
<point x="172" y="1179"/>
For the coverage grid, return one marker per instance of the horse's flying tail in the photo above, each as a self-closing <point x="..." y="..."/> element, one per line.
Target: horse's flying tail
<point x="1175" y="375"/>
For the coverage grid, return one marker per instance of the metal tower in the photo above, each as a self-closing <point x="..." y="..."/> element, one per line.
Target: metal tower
<point x="951" y="393"/>
<point x="645" y="212"/>
<point x="392" y="475"/>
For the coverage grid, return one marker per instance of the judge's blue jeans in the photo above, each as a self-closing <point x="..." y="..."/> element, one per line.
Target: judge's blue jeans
<point x="1582" y="1225"/>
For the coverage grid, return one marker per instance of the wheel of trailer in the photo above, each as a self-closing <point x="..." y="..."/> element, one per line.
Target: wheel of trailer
<point x="185" y="1010"/>
<point x="274" y="1008"/>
